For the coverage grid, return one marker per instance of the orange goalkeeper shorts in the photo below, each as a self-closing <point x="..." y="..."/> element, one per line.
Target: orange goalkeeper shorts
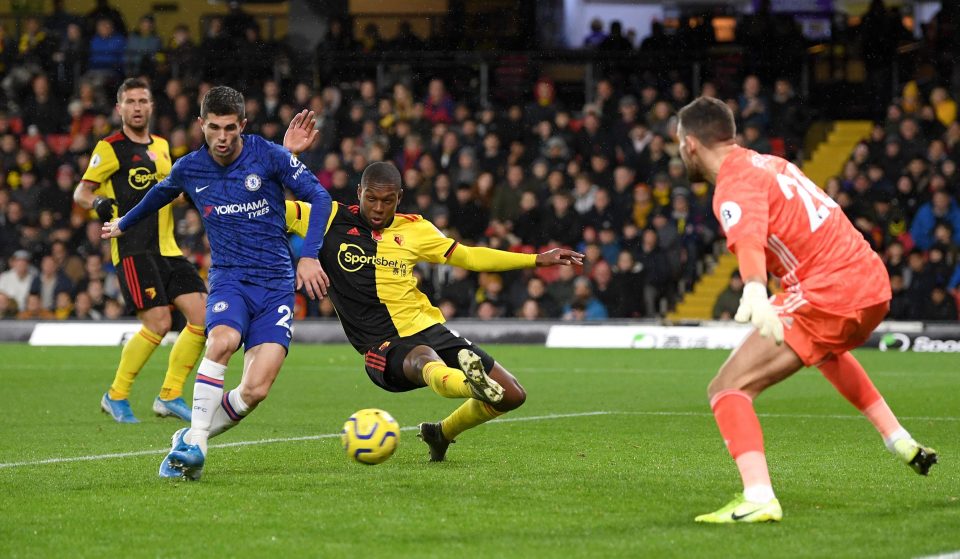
<point x="816" y="334"/>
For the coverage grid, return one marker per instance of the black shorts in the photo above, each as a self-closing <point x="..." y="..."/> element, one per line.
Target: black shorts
<point x="152" y="280"/>
<point x="384" y="363"/>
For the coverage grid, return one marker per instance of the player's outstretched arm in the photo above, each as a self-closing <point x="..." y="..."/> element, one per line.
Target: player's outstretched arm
<point x="559" y="257"/>
<point x="482" y="259"/>
<point x="157" y="197"/>
<point x="301" y="133"/>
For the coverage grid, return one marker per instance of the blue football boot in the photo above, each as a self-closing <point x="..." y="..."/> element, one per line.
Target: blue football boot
<point x="176" y="443"/>
<point x="176" y="407"/>
<point x="188" y="459"/>
<point x="119" y="410"/>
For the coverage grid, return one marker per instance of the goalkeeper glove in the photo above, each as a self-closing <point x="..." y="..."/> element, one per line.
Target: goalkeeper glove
<point x="756" y="309"/>
<point x="104" y="207"/>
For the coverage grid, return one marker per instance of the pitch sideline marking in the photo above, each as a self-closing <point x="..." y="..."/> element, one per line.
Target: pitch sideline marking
<point x="499" y="420"/>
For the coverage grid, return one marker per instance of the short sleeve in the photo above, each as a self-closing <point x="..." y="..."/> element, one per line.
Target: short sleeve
<point x="742" y="206"/>
<point x="103" y="163"/>
<point x="432" y="245"/>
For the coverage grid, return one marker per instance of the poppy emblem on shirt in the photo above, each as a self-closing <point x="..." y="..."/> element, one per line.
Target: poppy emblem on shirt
<point x="376" y="235"/>
<point x="398" y="239"/>
<point x="152" y="156"/>
<point x="252" y="183"/>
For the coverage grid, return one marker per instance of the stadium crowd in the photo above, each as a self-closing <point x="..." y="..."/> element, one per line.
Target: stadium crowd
<point x="604" y="178"/>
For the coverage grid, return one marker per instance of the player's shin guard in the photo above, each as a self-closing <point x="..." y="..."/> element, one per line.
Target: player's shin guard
<point x="740" y="428"/>
<point x="231" y="411"/>
<point x="184" y="355"/>
<point x="207" y="395"/>
<point x="135" y="353"/>
<point x="446" y="381"/>
<point x="847" y="375"/>
<point x="470" y="414"/>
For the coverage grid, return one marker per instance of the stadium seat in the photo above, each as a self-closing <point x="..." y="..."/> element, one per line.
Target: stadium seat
<point x="29" y="143"/>
<point x="59" y="143"/>
<point x="778" y="147"/>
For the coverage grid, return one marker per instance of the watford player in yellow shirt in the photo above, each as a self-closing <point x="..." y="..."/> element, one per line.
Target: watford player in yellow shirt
<point x="152" y="271"/>
<point x="369" y="253"/>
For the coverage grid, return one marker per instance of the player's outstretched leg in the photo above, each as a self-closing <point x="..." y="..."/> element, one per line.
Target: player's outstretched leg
<point x="183" y="357"/>
<point x="482" y="387"/>
<point x="473" y="412"/>
<point x="851" y="380"/>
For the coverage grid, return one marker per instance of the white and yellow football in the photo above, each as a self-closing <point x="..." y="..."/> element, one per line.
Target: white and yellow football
<point x="370" y="436"/>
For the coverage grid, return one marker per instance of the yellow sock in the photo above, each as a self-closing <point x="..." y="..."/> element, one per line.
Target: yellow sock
<point x="470" y="414"/>
<point x="184" y="355"/>
<point x="134" y="355"/>
<point x="446" y="381"/>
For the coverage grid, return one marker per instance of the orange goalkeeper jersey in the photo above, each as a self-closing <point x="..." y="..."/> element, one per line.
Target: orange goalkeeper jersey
<point x="809" y="243"/>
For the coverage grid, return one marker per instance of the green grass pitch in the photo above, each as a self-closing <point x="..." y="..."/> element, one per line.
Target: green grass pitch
<point x="616" y="453"/>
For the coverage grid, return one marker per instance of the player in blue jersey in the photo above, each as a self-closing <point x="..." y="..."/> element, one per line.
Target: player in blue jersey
<point x="237" y="182"/>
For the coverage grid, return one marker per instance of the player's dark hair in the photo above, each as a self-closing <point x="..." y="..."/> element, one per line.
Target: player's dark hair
<point x="381" y="173"/>
<point x="133" y="83"/>
<point x="222" y="100"/>
<point x="708" y="119"/>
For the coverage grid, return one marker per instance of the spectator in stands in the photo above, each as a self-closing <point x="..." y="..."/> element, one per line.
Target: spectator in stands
<point x="584" y="305"/>
<point x="729" y="299"/>
<point x="216" y="47"/>
<point x="561" y="223"/>
<point x="941" y="207"/>
<point x="107" y="51"/>
<point x="104" y="10"/>
<point x="16" y="281"/>
<point x="182" y="54"/>
<point x="8" y="307"/>
<point x="596" y="35"/>
<point x="35" y="309"/>
<point x="83" y="309"/>
<point x="438" y="105"/>
<point x="49" y="283"/>
<point x="593" y="138"/>
<point x="43" y="110"/>
<point x="754" y="107"/>
<point x="142" y="46"/>
<point x="940" y="306"/>
<point x="657" y="268"/>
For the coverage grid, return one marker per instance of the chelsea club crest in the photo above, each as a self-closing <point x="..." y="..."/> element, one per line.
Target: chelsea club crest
<point x="252" y="183"/>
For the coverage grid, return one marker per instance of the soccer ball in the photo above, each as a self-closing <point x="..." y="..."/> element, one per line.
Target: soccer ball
<point x="370" y="436"/>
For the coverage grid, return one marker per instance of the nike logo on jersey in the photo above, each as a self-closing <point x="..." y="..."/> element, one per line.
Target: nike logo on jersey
<point x="204" y="188"/>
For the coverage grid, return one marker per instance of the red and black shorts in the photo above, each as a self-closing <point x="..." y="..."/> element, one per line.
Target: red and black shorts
<point x="152" y="280"/>
<point x="384" y="363"/>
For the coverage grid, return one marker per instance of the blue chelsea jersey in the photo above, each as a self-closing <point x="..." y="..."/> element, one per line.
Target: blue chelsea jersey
<point x="242" y="207"/>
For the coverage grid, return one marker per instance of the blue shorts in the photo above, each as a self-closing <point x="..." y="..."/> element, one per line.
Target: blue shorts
<point x="261" y="315"/>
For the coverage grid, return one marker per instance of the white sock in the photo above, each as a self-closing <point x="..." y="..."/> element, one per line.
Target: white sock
<point x="897" y="435"/>
<point x="207" y="392"/>
<point x="236" y="401"/>
<point x="224" y="419"/>
<point x="758" y="493"/>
